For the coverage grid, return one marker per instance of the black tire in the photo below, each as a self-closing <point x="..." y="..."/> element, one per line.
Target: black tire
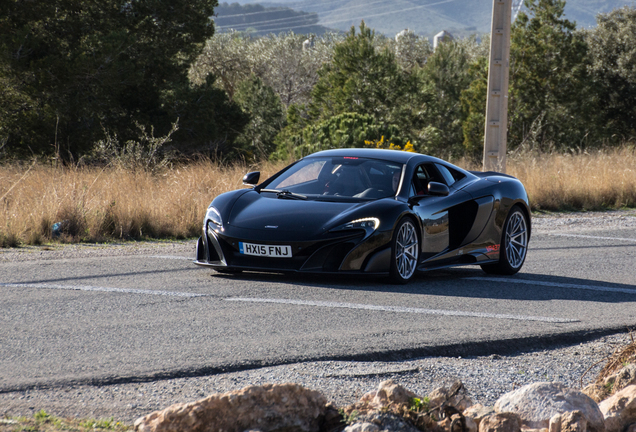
<point x="405" y="248"/>
<point x="514" y="244"/>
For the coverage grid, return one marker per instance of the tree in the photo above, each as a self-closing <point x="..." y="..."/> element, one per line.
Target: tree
<point x="473" y="104"/>
<point x="612" y="53"/>
<point x="411" y="50"/>
<point x="280" y="61"/>
<point x="548" y="79"/>
<point x="361" y="95"/>
<point x="339" y="131"/>
<point x="447" y="71"/>
<point x="75" y="68"/>
<point x="359" y="79"/>
<point x="266" y="113"/>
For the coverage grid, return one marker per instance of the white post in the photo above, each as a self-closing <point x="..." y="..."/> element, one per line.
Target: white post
<point x="495" y="137"/>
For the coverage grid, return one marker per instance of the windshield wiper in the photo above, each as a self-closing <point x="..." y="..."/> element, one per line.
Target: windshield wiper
<point x="284" y="193"/>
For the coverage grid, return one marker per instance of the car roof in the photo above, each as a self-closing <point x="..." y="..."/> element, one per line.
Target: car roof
<point x="398" y="156"/>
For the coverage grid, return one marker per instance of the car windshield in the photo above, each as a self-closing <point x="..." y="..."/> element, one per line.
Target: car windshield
<point x="339" y="178"/>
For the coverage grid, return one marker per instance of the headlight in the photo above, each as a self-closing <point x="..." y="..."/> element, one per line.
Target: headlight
<point x="364" y="223"/>
<point x="214" y="216"/>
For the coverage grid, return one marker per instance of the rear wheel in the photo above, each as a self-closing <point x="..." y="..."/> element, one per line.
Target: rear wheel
<point x="514" y="245"/>
<point x="405" y="248"/>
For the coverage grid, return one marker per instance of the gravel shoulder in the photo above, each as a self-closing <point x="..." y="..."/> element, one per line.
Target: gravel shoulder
<point x="342" y="383"/>
<point x="486" y="378"/>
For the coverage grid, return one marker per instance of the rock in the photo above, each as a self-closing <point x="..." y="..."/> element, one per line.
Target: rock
<point x="455" y="396"/>
<point x="453" y="424"/>
<point x="478" y="412"/>
<point x="500" y="422"/>
<point x="362" y="427"/>
<point x="596" y="391"/>
<point x="332" y="419"/>
<point x="612" y="384"/>
<point x="388" y="393"/>
<point x="573" y="421"/>
<point x="555" y="423"/>
<point x="621" y="379"/>
<point x="384" y="421"/>
<point x="471" y="425"/>
<point x="271" y="407"/>
<point x="631" y="428"/>
<point x="537" y="403"/>
<point x="620" y="409"/>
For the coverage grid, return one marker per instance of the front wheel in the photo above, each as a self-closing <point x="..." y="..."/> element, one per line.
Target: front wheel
<point x="405" y="248"/>
<point x="514" y="245"/>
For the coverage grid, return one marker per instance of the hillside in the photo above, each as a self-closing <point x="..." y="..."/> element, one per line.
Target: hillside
<point x="427" y="17"/>
<point x="260" y="20"/>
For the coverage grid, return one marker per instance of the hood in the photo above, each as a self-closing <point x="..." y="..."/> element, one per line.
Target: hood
<point x="255" y="211"/>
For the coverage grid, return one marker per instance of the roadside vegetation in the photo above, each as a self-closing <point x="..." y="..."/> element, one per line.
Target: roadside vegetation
<point x="115" y="203"/>
<point x="44" y="422"/>
<point x="126" y="128"/>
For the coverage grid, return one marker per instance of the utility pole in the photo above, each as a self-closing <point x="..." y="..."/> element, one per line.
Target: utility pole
<point x="496" y="133"/>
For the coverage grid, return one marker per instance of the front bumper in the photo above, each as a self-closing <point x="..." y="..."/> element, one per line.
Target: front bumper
<point x="352" y="252"/>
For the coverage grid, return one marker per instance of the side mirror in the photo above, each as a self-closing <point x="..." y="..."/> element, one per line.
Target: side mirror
<point x="440" y="189"/>
<point x="251" y="179"/>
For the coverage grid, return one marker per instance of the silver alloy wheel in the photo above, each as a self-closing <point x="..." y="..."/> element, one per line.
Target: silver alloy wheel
<point x="516" y="239"/>
<point x="406" y="250"/>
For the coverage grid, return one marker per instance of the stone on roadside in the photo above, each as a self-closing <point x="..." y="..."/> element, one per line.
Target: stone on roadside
<point x="471" y="425"/>
<point x="620" y="409"/>
<point x="626" y="376"/>
<point x="537" y="403"/>
<point x="555" y="423"/>
<point x="596" y="391"/>
<point x="441" y="395"/>
<point x="391" y="393"/>
<point x="478" y="412"/>
<point x="362" y="427"/>
<point x="500" y="422"/>
<point x="573" y="421"/>
<point x="270" y="407"/>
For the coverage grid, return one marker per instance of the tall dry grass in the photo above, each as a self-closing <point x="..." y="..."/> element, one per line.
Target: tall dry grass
<point x="112" y="203"/>
<point x="109" y="204"/>
<point x="600" y="179"/>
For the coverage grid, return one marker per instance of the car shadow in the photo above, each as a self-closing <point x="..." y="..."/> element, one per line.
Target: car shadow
<point x="461" y="282"/>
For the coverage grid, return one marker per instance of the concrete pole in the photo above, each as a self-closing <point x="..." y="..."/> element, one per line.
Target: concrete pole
<point x="495" y="137"/>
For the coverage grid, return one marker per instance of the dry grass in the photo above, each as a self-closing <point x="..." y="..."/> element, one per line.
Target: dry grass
<point x="618" y="360"/>
<point x="44" y="422"/>
<point x="110" y="204"/>
<point x="594" y="180"/>
<point x="581" y="181"/>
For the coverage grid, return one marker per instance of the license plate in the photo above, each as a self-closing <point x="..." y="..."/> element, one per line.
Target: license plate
<point x="265" y="250"/>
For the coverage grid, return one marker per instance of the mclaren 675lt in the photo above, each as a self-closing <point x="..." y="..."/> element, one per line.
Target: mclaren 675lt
<point x="368" y="211"/>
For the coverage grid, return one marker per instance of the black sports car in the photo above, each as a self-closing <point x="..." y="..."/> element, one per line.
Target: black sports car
<point x="368" y="211"/>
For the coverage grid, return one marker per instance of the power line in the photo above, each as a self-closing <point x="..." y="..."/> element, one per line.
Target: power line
<point x="299" y="19"/>
<point x="260" y="23"/>
<point x="516" y="7"/>
<point x="278" y="9"/>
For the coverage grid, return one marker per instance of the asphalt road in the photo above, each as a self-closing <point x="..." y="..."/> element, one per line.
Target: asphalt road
<point x="124" y="313"/>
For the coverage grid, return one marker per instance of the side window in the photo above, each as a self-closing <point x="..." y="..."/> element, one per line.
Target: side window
<point x="445" y="172"/>
<point x="419" y="185"/>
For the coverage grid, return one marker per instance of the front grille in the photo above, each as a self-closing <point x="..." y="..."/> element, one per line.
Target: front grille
<point x="324" y="255"/>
